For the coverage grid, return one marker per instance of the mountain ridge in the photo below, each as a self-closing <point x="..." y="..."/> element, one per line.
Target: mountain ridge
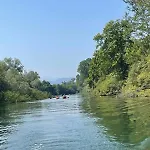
<point x="60" y="80"/>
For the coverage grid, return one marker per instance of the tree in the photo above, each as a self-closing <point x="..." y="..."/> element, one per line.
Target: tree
<point x="18" y="85"/>
<point x="46" y="86"/>
<point x="141" y="16"/>
<point x="111" y="46"/>
<point x="3" y="82"/>
<point x="140" y="21"/>
<point x="14" y="64"/>
<point x="31" y="76"/>
<point x="83" y="70"/>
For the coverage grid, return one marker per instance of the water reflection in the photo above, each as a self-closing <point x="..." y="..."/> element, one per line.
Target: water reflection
<point x="11" y="116"/>
<point x="63" y="124"/>
<point x="126" y="120"/>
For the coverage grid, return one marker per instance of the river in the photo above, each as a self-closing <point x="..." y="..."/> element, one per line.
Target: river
<point x="77" y="123"/>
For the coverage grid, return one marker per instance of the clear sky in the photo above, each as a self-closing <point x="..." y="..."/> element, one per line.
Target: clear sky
<point x="53" y="36"/>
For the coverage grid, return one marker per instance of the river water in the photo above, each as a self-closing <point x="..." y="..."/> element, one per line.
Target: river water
<point x="76" y="123"/>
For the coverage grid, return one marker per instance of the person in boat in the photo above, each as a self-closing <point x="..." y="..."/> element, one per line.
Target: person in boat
<point x="57" y="97"/>
<point x="64" y="96"/>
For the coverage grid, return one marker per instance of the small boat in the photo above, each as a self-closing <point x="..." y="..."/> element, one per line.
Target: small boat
<point x="57" y="97"/>
<point x="64" y="96"/>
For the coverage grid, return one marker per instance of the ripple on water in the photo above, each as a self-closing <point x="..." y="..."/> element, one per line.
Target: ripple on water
<point x="75" y="124"/>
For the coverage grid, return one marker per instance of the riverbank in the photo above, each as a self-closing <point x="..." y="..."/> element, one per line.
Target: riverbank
<point x="125" y="92"/>
<point x="136" y="83"/>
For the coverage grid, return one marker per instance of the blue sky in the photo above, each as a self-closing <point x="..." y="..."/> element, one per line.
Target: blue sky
<point x="53" y="36"/>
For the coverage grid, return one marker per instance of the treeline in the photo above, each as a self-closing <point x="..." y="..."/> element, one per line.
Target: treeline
<point x="16" y="84"/>
<point x="121" y="61"/>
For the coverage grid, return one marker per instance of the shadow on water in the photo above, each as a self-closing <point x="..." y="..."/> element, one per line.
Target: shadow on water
<point x="125" y="120"/>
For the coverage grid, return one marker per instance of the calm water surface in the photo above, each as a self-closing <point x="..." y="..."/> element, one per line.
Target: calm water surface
<point x="76" y="124"/>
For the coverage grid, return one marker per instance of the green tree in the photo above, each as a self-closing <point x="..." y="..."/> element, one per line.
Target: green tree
<point x="83" y="70"/>
<point x="111" y="46"/>
<point x="3" y="82"/>
<point x="141" y="16"/>
<point x="140" y="21"/>
<point x="31" y="76"/>
<point x="14" y="64"/>
<point x="16" y="84"/>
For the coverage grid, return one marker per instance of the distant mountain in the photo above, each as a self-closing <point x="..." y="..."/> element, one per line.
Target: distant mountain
<point x="60" y="80"/>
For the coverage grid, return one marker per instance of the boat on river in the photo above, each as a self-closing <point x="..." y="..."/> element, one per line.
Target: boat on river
<point x="57" y="97"/>
<point x="64" y="97"/>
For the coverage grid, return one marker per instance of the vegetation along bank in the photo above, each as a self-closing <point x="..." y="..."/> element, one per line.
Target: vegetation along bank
<point x="120" y="64"/>
<point x="16" y="84"/>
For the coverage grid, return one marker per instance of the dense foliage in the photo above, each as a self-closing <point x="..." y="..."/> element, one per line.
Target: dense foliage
<point x="16" y="84"/>
<point x="120" y="63"/>
<point x="83" y="70"/>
